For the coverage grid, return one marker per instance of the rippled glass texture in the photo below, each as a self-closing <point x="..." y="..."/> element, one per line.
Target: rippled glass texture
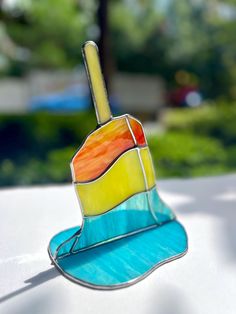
<point x="104" y="145"/>
<point x="120" y="262"/>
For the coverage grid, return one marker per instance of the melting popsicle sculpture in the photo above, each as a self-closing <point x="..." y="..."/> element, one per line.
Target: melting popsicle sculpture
<point x="127" y="230"/>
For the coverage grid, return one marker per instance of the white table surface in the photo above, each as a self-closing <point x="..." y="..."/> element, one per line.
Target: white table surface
<point x="203" y="281"/>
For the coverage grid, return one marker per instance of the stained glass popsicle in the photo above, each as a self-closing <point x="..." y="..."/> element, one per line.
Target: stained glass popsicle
<point x="114" y="162"/>
<point x="127" y="230"/>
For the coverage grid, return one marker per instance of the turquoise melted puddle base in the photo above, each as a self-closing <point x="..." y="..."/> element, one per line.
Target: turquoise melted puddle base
<point x="122" y="262"/>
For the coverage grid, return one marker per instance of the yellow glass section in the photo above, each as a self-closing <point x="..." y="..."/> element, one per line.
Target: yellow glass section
<point x="148" y="166"/>
<point x="98" y="89"/>
<point x="122" y="180"/>
<point x="100" y="150"/>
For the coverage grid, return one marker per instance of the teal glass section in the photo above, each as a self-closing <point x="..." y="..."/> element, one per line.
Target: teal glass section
<point x="123" y="258"/>
<point x="162" y="211"/>
<point x="121" y="261"/>
<point x="61" y="237"/>
<point x="132" y="215"/>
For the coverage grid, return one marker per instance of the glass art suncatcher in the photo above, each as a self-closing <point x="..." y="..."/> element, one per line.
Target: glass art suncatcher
<point x="127" y="230"/>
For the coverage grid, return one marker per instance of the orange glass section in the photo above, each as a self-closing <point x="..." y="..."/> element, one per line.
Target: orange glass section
<point x="138" y="131"/>
<point x="103" y="146"/>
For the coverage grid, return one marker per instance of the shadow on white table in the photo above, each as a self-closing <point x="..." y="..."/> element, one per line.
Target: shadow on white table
<point x="203" y="281"/>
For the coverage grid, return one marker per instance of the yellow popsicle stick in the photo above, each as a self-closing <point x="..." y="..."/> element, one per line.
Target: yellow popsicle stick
<point x="97" y="85"/>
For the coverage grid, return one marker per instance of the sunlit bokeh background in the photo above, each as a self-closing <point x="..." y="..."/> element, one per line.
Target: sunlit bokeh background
<point x="170" y="63"/>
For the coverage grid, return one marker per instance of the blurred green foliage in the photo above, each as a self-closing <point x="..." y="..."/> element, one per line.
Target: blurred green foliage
<point x="37" y="148"/>
<point x="199" y="141"/>
<point x="149" y="36"/>
<point x="50" y="29"/>
<point x="216" y="120"/>
<point x="178" y="154"/>
<point x="167" y="36"/>
<point x="34" y="147"/>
